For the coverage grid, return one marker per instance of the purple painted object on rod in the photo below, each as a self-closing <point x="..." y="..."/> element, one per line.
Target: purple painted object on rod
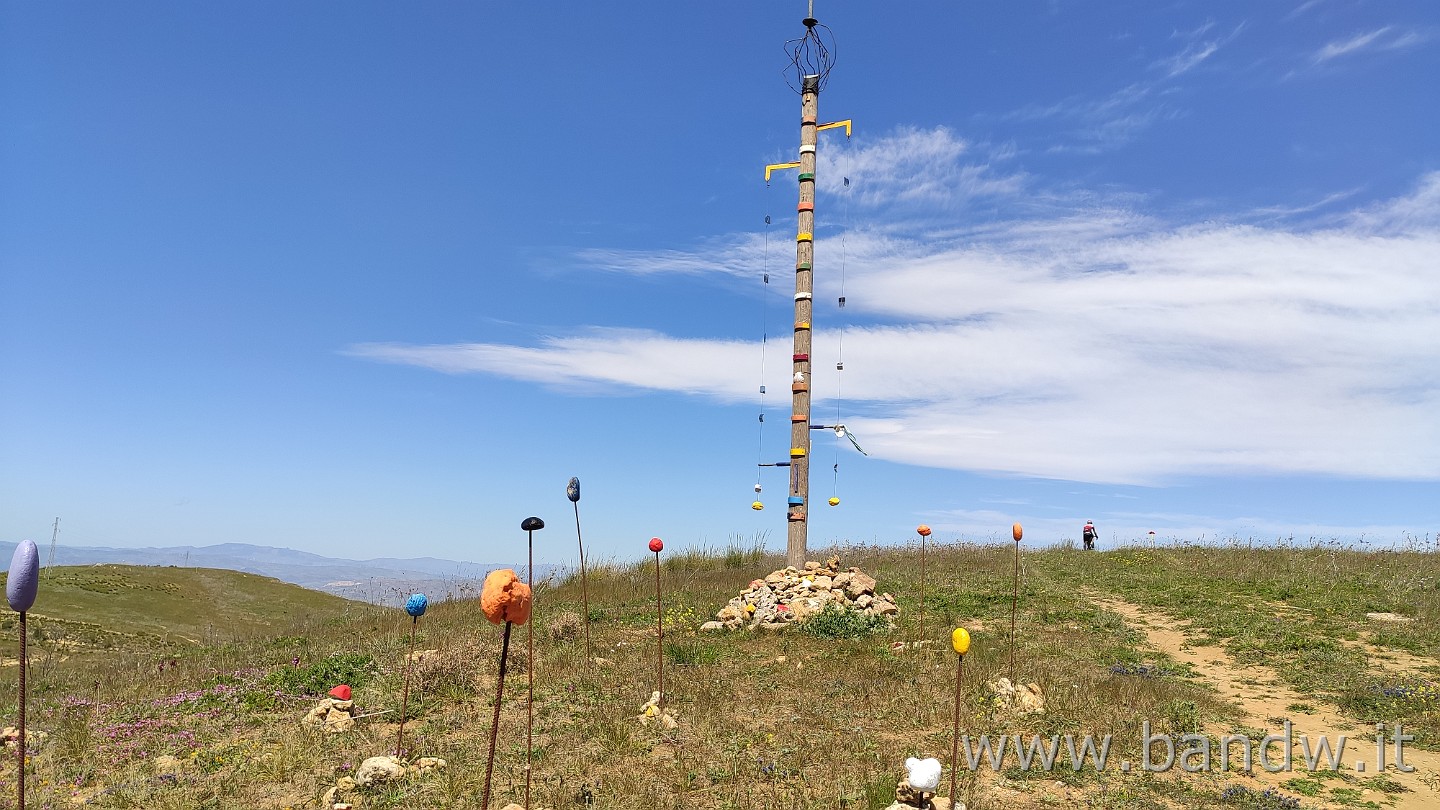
<point x="24" y="581"/>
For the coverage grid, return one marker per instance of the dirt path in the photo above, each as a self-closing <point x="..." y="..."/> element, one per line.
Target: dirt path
<point x="1267" y="701"/>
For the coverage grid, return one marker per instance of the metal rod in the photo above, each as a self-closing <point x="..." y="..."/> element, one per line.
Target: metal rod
<point x="584" y="587"/>
<point x="405" y="699"/>
<point x="530" y="664"/>
<point x="495" y="721"/>
<point x="922" y="586"/>
<point x="1014" y="599"/>
<point x="20" y="743"/>
<point x="659" y="638"/>
<point x="955" y="733"/>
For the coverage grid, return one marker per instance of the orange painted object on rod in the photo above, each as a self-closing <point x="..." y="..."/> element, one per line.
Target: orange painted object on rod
<point x="1017" y="532"/>
<point x="504" y="598"/>
<point x="922" y="530"/>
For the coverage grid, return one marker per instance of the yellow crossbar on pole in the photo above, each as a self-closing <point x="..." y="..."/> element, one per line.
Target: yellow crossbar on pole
<point x="774" y="166"/>
<point x="835" y="124"/>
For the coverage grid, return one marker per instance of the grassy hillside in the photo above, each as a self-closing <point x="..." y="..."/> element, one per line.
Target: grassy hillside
<point x="118" y="607"/>
<point x="1211" y="641"/>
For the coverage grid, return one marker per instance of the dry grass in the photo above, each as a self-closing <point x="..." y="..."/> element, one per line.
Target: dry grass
<point x="766" y="721"/>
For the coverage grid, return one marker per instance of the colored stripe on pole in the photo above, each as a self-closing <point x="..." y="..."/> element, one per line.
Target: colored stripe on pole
<point x="805" y="206"/>
<point x="807" y="148"/>
<point x="800" y="358"/>
<point x="801" y="325"/>
<point x="798" y="387"/>
<point x="802" y="296"/>
<point x="804" y="236"/>
<point x="797" y="417"/>
<point x="807" y="176"/>
<point x="795" y="500"/>
<point x="797" y="515"/>
<point x="802" y="266"/>
<point x="797" y="452"/>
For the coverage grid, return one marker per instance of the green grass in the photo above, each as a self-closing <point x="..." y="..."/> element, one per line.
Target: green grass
<point x="118" y="606"/>
<point x="766" y="719"/>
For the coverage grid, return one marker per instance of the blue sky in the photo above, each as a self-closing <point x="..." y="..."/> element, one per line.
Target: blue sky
<point x="378" y="279"/>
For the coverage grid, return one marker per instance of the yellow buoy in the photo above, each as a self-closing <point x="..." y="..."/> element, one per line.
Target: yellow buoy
<point x="834" y="501"/>
<point x="757" y="506"/>
<point x="960" y="640"/>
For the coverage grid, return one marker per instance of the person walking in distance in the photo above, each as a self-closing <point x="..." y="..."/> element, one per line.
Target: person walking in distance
<point x="1088" y="534"/>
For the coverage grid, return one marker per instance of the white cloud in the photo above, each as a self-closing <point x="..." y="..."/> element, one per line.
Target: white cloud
<point x="1386" y="38"/>
<point x="1097" y="345"/>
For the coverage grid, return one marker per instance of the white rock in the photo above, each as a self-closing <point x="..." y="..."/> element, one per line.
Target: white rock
<point x="379" y="769"/>
<point x="923" y="774"/>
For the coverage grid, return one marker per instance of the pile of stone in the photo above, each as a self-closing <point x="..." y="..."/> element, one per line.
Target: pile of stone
<point x="907" y="797"/>
<point x="376" y="771"/>
<point x="652" y="712"/>
<point x="34" y="738"/>
<point x="917" y="789"/>
<point x="332" y="715"/>
<point x="790" y="596"/>
<point x="1019" y="698"/>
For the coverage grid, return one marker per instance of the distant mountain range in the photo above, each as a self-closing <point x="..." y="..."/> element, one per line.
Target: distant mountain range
<point x="384" y="580"/>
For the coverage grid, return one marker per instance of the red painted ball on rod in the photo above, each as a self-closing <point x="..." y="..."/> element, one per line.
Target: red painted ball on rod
<point x="657" y="545"/>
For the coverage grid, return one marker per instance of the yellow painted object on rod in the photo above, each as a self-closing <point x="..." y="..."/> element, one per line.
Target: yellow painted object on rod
<point x="774" y="166"/>
<point x="960" y="640"/>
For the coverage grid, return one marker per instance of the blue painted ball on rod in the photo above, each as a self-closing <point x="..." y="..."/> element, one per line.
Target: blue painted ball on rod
<point x="416" y="605"/>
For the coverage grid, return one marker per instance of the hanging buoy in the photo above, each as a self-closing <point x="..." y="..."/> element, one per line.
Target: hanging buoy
<point x="757" y="487"/>
<point x="834" y="501"/>
<point x="757" y="506"/>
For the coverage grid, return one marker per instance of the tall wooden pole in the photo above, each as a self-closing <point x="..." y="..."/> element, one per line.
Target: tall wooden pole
<point x="798" y="517"/>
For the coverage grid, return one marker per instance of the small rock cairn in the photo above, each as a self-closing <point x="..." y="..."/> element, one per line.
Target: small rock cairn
<point x="332" y="715"/>
<point x="790" y="596"/>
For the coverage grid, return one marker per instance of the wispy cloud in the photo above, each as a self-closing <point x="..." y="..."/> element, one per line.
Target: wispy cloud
<point x="1303" y="8"/>
<point x="1100" y="345"/>
<point x="1387" y="38"/>
<point x="1104" y="123"/>
<point x="1196" y="51"/>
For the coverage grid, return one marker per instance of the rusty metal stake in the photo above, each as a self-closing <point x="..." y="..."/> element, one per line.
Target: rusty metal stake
<point x="955" y="733"/>
<point x="659" y="638"/>
<point x="405" y="700"/>
<point x="495" y="721"/>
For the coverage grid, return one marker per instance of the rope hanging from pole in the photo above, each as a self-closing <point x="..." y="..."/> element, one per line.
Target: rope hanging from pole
<point x="764" y="344"/>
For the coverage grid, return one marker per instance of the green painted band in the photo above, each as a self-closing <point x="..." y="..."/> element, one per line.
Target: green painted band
<point x="807" y="176"/>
